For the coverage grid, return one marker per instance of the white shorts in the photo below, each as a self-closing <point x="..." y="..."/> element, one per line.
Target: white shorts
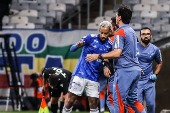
<point x="79" y="84"/>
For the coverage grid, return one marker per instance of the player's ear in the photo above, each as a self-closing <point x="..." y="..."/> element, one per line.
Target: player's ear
<point x="119" y="18"/>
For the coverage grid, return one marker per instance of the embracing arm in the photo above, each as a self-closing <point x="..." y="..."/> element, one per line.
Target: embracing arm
<point x="113" y="54"/>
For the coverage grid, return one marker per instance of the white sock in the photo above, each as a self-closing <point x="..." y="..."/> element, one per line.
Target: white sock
<point x="94" y="110"/>
<point x="65" y="110"/>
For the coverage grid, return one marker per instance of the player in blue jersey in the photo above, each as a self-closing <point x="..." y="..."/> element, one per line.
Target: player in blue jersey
<point x="125" y="62"/>
<point x="147" y="53"/>
<point x="86" y="74"/>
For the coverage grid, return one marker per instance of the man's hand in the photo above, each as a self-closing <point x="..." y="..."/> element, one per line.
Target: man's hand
<point x="142" y="72"/>
<point x="43" y="88"/>
<point x="107" y="72"/>
<point x="153" y="77"/>
<point x="91" y="57"/>
<point x="80" y="44"/>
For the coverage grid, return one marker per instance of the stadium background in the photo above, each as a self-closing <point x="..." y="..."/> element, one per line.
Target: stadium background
<point x="43" y="40"/>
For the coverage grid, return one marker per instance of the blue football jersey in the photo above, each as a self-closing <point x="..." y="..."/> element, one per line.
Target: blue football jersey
<point x="125" y="38"/>
<point x="146" y="55"/>
<point x="93" y="45"/>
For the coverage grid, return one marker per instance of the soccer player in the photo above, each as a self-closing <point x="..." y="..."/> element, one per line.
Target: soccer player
<point x="125" y="62"/>
<point x="148" y="52"/>
<point x="86" y="74"/>
<point x="58" y="79"/>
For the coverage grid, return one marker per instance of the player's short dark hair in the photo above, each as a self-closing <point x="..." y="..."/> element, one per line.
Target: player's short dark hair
<point x="125" y="12"/>
<point x="53" y="80"/>
<point x="114" y="22"/>
<point x="48" y="72"/>
<point x="144" y="28"/>
<point x="34" y="76"/>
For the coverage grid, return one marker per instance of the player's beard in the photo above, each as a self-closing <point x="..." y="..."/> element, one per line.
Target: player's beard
<point x="103" y="39"/>
<point x="145" y="41"/>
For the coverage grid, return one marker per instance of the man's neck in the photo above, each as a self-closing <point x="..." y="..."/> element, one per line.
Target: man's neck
<point x="120" y="24"/>
<point x="144" y="45"/>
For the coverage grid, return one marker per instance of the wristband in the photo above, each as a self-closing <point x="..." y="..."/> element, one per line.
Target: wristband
<point x="105" y="64"/>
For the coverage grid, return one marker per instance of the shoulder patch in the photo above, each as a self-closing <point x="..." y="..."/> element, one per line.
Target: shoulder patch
<point x="121" y="33"/>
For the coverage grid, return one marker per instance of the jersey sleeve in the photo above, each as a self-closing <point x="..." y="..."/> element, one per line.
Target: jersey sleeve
<point x="119" y="39"/>
<point x="158" y="56"/>
<point x="85" y="38"/>
<point x="118" y="42"/>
